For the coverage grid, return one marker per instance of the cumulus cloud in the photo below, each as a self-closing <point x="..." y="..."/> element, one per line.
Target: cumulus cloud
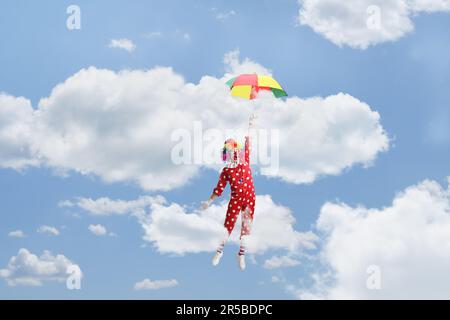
<point x="148" y="284"/>
<point x="124" y="44"/>
<point x="407" y="242"/>
<point x="123" y="126"/>
<point x="361" y="23"/>
<point x="29" y="269"/>
<point x="339" y="125"/>
<point x="17" y="234"/>
<point x="97" y="229"/>
<point x="174" y="229"/>
<point x="171" y="229"/>
<point x="48" y="230"/>
<point x="16" y="130"/>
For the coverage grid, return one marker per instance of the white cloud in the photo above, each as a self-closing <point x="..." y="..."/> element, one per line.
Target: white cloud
<point x="326" y="136"/>
<point x="429" y="5"/>
<point x="17" y="234"/>
<point x="16" y="120"/>
<point x="408" y="241"/>
<point x="225" y="15"/>
<point x="65" y="204"/>
<point x="280" y="262"/>
<point x="275" y="279"/>
<point x="97" y="229"/>
<point x="118" y="126"/>
<point x="48" y="230"/>
<point x="148" y="284"/>
<point x="234" y="66"/>
<point x="27" y="268"/>
<point x="106" y="206"/>
<point x="174" y="229"/>
<point x="124" y="44"/>
<point x="355" y="22"/>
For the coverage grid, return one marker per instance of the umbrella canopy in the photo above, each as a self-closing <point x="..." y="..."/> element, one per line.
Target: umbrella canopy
<point x="247" y="86"/>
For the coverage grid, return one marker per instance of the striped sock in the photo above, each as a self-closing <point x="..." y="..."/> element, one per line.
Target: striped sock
<point x="220" y="248"/>
<point x="243" y="245"/>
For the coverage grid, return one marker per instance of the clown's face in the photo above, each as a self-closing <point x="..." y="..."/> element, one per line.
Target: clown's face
<point x="232" y="152"/>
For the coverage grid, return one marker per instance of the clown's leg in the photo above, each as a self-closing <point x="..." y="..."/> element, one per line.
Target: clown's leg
<point x="245" y="232"/>
<point x="219" y="252"/>
<point x="245" y="229"/>
<point x="217" y="257"/>
<point x="230" y="220"/>
<point x="241" y="254"/>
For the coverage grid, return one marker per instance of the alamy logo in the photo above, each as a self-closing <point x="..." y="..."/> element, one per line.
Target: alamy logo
<point x="73" y="22"/>
<point x="201" y="147"/>
<point x="373" y="21"/>
<point x="73" y="281"/>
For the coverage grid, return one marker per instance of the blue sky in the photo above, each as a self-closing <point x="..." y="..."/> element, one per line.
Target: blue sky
<point x="406" y="81"/>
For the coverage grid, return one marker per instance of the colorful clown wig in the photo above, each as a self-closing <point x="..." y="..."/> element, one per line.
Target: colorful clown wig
<point x="233" y="152"/>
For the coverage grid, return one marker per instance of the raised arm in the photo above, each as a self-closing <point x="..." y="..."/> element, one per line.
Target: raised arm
<point x="248" y="142"/>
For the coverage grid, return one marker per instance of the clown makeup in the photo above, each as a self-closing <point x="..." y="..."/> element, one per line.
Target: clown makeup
<point x="232" y="152"/>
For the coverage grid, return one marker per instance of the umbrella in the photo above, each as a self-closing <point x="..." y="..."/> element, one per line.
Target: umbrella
<point x="248" y="85"/>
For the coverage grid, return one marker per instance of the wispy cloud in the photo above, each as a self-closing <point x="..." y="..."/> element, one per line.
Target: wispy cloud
<point x="97" y="229"/>
<point x="279" y="262"/>
<point x="65" y="204"/>
<point x="222" y="15"/>
<point x="105" y="206"/>
<point x="17" y="234"/>
<point x="48" y="230"/>
<point x="124" y="44"/>
<point x="148" y="284"/>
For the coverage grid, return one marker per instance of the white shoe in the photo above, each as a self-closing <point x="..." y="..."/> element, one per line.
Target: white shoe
<point x="216" y="258"/>
<point x="241" y="261"/>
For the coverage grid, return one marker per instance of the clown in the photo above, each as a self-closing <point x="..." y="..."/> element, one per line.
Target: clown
<point x="238" y="174"/>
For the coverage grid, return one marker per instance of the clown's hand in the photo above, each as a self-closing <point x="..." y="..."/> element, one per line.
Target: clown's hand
<point x="206" y="204"/>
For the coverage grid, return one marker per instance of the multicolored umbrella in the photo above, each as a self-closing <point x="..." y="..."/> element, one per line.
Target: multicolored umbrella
<point x="247" y="86"/>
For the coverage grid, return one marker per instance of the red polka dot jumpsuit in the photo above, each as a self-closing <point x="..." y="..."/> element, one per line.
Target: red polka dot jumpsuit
<point x="242" y="192"/>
